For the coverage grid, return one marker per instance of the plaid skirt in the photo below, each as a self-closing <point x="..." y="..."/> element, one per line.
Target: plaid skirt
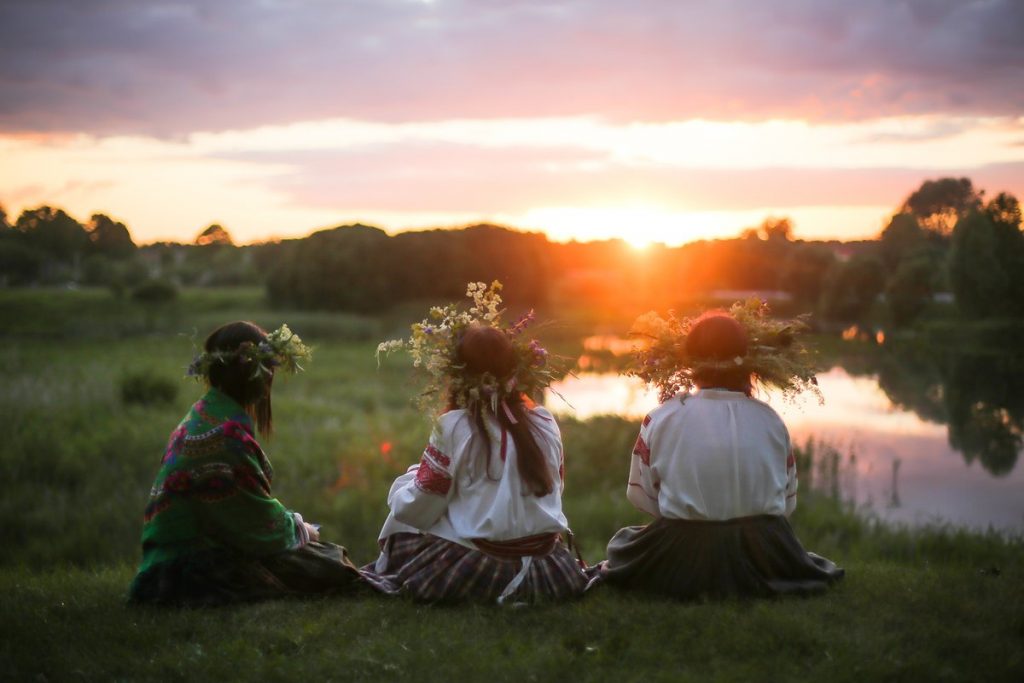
<point x="220" y="576"/>
<point x="434" y="570"/>
<point x="686" y="559"/>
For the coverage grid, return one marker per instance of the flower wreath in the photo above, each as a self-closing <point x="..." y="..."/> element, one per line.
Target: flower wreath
<point x="434" y="345"/>
<point x="282" y="349"/>
<point x="776" y="354"/>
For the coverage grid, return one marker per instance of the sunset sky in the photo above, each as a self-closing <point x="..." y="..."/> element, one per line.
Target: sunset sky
<point x="647" y="120"/>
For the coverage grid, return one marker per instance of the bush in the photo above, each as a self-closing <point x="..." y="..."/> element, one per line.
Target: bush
<point x="155" y="292"/>
<point x="145" y="388"/>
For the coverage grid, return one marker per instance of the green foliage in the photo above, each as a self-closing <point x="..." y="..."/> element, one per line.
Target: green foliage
<point x="52" y="231"/>
<point x="902" y="237"/>
<point x="851" y="289"/>
<point x="147" y="388"/>
<point x="343" y="269"/>
<point x="938" y="204"/>
<point x="359" y="268"/>
<point x="20" y="264"/>
<point x="986" y="261"/>
<point x="910" y="289"/>
<point x="155" y="293"/>
<point x="803" y="273"/>
<point x="109" y="237"/>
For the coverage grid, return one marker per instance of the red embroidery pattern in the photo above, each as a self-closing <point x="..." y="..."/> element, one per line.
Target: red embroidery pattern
<point x="430" y="477"/>
<point x="438" y="456"/>
<point x="790" y="461"/>
<point x="641" y="450"/>
<point x="432" y="480"/>
<point x="647" y="420"/>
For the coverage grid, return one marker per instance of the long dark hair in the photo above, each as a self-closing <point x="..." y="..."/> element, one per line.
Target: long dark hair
<point x="717" y="336"/>
<point x="486" y="350"/>
<point x="238" y="378"/>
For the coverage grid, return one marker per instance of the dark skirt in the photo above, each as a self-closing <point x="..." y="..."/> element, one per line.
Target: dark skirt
<point x="221" y="576"/>
<point x="685" y="559"/>
<point x="434" y="570"/>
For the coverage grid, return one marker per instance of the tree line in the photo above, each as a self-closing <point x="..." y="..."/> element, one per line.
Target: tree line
<point x="946" y="238"/>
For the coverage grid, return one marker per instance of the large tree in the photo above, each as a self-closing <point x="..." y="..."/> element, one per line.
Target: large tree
<point x="53" y="231"/>
<point x="109" y="237"/>
<point x="986" y="260"/>
<point x="939" y="204"/>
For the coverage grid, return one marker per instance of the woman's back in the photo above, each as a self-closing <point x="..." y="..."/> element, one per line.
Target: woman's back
<point x="479" y="481"/>
<point x="714" y="455"/>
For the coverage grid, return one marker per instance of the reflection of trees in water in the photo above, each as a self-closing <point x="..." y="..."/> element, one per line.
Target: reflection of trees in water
<point x="985" y="399"/>
<point x="978" y="394"/>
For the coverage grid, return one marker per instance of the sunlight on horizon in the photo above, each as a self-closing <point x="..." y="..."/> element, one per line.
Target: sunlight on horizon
<point x="582" y="178"/>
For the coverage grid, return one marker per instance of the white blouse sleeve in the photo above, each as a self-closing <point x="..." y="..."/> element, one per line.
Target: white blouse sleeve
<point x="642" y="490"/>
<point x="420" y="496"/>
<point x="791" y="482"/>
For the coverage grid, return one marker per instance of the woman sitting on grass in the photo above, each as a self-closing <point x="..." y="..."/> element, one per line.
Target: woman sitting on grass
<point x="480" y="517"/>
<point x="213" y="533"/>
<point x="715" y="467"/>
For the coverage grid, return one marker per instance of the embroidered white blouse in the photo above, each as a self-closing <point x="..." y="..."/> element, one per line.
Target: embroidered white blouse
<point x="456" y="494"/>
<point x="713" y="455"/>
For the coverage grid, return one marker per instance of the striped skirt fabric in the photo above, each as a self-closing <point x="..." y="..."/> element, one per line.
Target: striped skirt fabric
<point x="434" y="570"/>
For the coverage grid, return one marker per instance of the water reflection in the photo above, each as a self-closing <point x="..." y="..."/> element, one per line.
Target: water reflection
<point x="979" y="395"/>
<point x="921" y="439"/>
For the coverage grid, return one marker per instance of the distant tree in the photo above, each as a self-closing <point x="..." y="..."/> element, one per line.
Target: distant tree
<point x="53" y="231"/>
<point x="910" y="289"/>
<point x="902" y="237"/>
<point x="20" y="264"/>
<point x="346" y="268"/>
<point x="804" y="270"/>
<point x="852" y="288"/>
<point x="986" y="260"/>
<point x="109" y="237"/>
<point x="776" y="229"/>
<point x="215" y="234"/>
<point x="1005" y="212"/>
<point x="939" y="204"/>
<point x="4" y="225"/>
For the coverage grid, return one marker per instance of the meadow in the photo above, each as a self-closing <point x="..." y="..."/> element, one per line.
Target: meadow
<point x="93" y="384"/>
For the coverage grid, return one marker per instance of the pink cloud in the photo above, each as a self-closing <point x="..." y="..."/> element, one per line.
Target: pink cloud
<point x="439" y="177"/>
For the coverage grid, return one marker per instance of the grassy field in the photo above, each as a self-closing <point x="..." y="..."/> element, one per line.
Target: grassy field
<point x="77" y="461"/>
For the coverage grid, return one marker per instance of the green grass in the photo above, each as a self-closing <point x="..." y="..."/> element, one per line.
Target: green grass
<point x="888" y="621"/>
<point x="76" y="464"/>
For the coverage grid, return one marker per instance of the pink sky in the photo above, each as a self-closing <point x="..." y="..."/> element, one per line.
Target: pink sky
<point x="648" y="120"/>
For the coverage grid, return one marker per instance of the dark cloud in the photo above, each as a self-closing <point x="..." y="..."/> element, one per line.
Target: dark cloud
<point x="170" y="67"/>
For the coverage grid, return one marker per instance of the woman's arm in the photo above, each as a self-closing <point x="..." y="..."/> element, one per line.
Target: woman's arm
<point x="420" y="500"/>
<point x="642" y="490"/>
<point x="791" y="483"/>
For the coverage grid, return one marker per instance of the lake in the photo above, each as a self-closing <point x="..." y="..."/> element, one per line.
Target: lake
<point x="918" y="442"/>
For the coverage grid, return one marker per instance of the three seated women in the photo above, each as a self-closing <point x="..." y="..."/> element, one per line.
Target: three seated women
<point x="480" y="517"/>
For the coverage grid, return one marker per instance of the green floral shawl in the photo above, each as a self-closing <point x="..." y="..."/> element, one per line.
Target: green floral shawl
<point x="213" y="490"/>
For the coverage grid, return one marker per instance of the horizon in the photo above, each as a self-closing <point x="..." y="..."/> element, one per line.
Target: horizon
<point x="651" y="124"/>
